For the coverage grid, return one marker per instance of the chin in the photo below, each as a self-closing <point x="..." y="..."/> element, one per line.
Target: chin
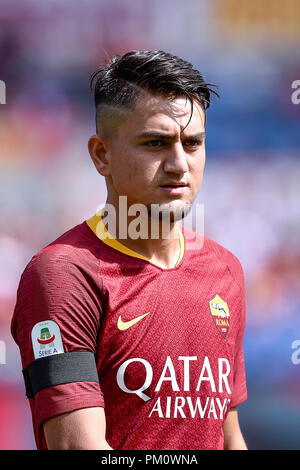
<point x="172" y="212"/>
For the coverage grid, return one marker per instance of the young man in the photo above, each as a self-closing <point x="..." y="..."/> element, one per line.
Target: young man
<point x="127" y="341"/>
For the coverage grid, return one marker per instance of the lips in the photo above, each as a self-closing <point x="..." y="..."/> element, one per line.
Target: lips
<point x="173" y="188"/>
<point x="173" y="185"/>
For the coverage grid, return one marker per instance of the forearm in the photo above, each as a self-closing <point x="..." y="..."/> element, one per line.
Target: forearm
<point x="82" y="429"/>
<point x="100" y="445"/>
<point x="236" y="443"/>
<point x="233" y="437"/>
<point x="77" y="440"/>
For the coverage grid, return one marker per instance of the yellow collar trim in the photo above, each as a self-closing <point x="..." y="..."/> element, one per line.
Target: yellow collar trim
<point x="97" y="226"/>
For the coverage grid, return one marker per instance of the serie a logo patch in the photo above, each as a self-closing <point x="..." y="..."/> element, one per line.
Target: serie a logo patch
<point x="46" y="339"/>
<point x="220" y="313"/>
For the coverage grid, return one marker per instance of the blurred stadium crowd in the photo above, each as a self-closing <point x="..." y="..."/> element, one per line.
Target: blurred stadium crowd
<point x="251" y="187"/>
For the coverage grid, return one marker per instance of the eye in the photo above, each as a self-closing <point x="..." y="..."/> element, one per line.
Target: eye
<point x="154" y="143"/>
<point x="193" y="143"/>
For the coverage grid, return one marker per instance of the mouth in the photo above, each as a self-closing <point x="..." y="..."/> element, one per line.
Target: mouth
<point x="175" y="188"/>
<point x="173" y="185"/>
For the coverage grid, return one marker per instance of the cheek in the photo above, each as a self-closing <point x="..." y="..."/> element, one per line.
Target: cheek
<point x="197" y="170"/>
<point x="129" y="174"/>
<point x="141" y="167"/>
<point x="136" y="174"/>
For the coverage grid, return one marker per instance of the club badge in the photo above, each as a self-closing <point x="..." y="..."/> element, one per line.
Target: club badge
<point x="221" y="315"/>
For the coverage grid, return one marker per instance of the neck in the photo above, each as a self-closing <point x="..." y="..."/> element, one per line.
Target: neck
<point x="157" y="240"/>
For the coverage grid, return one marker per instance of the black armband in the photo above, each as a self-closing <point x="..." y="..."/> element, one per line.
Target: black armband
<point x="75" y="366"/>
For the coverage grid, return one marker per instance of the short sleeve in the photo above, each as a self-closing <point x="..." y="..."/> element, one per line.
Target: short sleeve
<point x="59" y="287"/>
<point x="239" y="375"/>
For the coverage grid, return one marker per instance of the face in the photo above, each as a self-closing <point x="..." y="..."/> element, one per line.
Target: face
<point x="155" y="157"/>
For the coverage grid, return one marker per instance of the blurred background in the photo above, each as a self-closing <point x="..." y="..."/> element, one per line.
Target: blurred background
<point x="48" y="183"/>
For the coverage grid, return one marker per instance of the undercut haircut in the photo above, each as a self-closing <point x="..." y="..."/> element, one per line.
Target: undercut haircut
<point x="118" y="84"/>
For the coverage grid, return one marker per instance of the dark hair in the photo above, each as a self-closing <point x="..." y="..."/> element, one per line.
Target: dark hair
<point x="118" y="84"/>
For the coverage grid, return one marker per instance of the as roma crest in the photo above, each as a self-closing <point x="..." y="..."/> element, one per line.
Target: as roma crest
<point x="220" y="313"/>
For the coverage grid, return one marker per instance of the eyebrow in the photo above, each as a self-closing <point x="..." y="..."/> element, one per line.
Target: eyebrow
<point x="166" y="135"/>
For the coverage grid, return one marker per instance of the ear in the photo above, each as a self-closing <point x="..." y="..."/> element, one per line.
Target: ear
<point x="99" y="152"/>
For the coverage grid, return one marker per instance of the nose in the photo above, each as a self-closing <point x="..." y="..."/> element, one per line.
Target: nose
<point x="176" y="160"/>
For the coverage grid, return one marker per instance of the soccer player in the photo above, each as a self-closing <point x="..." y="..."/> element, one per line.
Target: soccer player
<point x="130" y="327"/>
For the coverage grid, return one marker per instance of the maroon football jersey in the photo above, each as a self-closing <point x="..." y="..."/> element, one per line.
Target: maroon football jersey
<point x="168" y="343"/>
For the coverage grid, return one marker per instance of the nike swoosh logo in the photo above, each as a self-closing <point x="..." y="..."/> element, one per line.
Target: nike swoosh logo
<point x="125" y="325"/>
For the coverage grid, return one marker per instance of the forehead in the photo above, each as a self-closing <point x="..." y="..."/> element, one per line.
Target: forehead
<point x="162" y="114"/>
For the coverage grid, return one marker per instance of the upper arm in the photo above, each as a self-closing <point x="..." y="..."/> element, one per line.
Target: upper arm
<point x="80" y="429"/>
<point x="233" y="438"/>
<point x="56" y="287"/>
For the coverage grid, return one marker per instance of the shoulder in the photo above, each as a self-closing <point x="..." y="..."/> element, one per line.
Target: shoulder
<point x="228" y="258"/>
<point x="208" y="247"/>
<point x="73" y="251"/>
<point x="60" y="284"/>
